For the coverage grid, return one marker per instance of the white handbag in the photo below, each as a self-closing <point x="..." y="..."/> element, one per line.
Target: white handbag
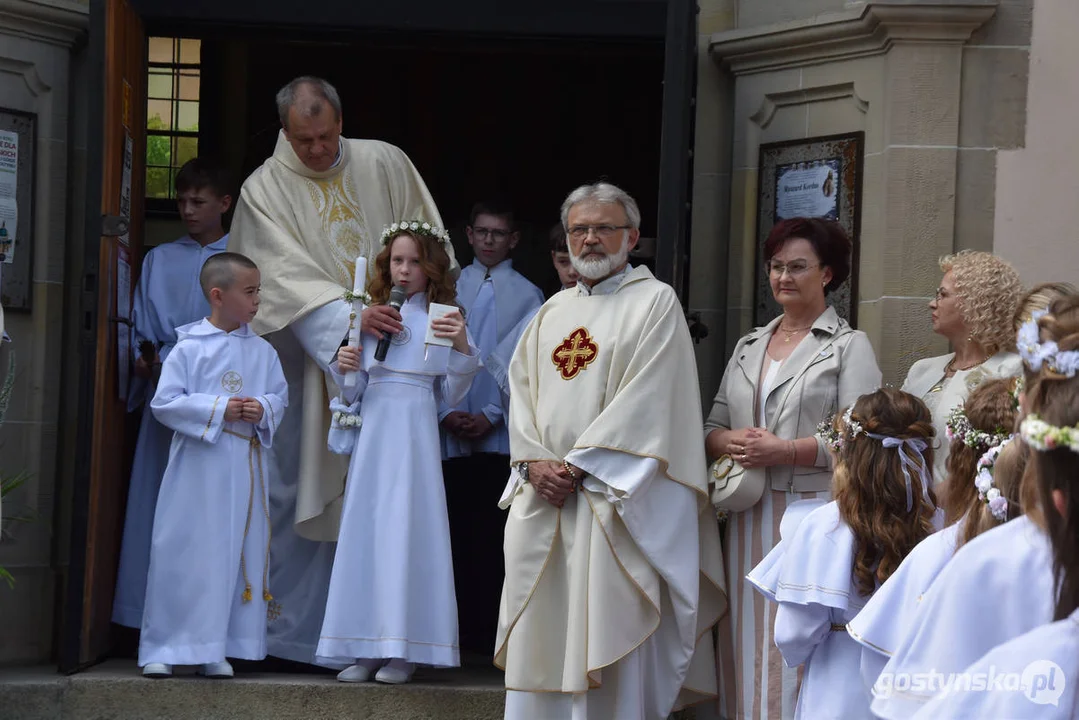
<point x="734" y="490"/>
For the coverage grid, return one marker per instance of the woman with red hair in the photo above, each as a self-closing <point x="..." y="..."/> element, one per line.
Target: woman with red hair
<point x="781" y="382"/>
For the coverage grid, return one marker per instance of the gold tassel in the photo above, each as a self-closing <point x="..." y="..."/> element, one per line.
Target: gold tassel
<point x="247" y="593"/>
<point x="267" y="596"/>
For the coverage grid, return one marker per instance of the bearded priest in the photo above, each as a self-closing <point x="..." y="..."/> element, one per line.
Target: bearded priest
<point x="304" y="217"/>
<point x="614" y="576"/>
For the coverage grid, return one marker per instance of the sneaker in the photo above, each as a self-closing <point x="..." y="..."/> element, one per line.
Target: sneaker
<point x="157" y="670"/>
<point x="217" y="670"/>
<point x="395" y="672"/>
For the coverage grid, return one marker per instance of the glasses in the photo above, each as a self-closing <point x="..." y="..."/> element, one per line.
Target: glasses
<point x="794" y="269"/>
<point x="603" y="232"/>
<point x="499" y="235"/>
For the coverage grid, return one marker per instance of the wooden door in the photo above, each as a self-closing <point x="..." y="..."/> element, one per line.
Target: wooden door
<point x="676" y="145"/>
<point x="113" y="249"/>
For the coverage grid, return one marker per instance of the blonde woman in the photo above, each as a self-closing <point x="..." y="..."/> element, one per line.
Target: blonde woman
<point x="974" y="309"/>
<point x="781" y="382"/>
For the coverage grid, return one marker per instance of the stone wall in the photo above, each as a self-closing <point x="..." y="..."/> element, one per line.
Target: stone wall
<point x="937" y="88"/>
<point x="35" y="61"/>
<point x="1036" y="217"/>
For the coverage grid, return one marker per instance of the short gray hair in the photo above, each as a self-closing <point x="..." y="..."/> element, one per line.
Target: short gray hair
<point x="604" y="194"/>
<point x="322" y="90"/>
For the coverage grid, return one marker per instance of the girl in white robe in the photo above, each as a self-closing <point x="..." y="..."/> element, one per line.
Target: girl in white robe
<point x="1001" y="584"/>
<point x="1040" y="666"/>
<point x="391" y="600"/>
<point x="841" y="551"/>
<point x="982" y="422"/>
<point x="223" y="393"/>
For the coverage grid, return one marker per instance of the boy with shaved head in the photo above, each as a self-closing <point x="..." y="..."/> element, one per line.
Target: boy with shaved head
<point x="224" y="395"/>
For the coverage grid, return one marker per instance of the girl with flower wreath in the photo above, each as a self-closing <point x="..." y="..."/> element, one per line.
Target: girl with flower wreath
<point x="1044" y="657"/>
<point x="1001" y="584"/>
<point x="977" y="430"/>
<point x="391" y="602"/>
<point x="830" y="563"/>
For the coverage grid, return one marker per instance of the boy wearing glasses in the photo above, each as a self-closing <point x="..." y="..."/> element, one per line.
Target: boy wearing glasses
<point x="495" y="298"/>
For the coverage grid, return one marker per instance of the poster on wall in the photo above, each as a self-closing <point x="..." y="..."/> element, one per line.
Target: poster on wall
<point x="9" y="182"/>
<point x="817" y="177"/>
<point x="17" y="139"/>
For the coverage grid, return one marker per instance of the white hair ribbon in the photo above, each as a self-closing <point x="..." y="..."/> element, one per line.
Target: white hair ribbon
<point x="919" y="446"/>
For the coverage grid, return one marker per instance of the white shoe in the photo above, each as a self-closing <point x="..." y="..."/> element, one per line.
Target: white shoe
<point x="217" y="670"/>
<point x="157" y="670"/>
<point x="395" y="672"/>
<point x="360" y="672"/>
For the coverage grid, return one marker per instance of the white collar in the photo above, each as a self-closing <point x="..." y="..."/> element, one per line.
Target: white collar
<point x="607" y="286"/>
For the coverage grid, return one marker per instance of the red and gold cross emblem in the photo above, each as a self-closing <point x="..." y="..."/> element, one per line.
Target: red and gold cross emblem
<point x="575" y="353"/>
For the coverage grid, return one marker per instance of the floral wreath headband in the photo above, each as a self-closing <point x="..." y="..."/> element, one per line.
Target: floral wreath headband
<point x="418" y="227"/>
<point x="1037" y="354"/>
<point x="917" y="446"/>
<point x="959" y="427"/>
<point x="1043" y="437"/>
<point x="983" y="480"/>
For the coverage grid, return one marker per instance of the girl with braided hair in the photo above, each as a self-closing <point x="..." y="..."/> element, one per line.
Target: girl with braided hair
<point x="825" y="568"/>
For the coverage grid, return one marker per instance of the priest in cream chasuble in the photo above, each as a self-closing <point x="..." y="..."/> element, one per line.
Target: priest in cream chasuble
<point x="609" y="600"/>
<point x="305" y="227"/>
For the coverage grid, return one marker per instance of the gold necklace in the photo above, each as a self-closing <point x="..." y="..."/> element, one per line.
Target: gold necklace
<point x="951" y="368"/>
<point x="792" y="333"/>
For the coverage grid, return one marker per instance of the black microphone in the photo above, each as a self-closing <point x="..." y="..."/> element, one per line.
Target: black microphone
<point x="397" y="299"/>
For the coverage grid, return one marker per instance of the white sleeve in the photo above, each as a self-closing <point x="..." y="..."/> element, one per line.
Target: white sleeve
<point x="321" y="332"/>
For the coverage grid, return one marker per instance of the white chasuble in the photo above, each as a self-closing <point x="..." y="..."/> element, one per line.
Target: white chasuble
<point x="305" y="230"/>
<point x="630" y="567"/>
<point x="208" y="591"/>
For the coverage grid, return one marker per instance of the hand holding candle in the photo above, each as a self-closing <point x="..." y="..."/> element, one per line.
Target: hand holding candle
<point x="359" y="282"/>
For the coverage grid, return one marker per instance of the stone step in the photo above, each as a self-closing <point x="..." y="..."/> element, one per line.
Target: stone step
<point x="115" y="690"/>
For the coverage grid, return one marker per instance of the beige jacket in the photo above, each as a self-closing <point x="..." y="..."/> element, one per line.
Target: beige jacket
<point x="830" y="369"/>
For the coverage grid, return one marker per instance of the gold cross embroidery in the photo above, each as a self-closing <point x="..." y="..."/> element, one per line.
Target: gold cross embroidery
<point x="575" y="353"/>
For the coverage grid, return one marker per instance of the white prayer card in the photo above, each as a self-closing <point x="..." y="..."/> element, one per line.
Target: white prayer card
<point x="435" y="312"/>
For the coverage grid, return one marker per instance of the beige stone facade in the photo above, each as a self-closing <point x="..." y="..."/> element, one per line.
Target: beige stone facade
<point x="966" y="109"/>
<point x="36" y="41"/>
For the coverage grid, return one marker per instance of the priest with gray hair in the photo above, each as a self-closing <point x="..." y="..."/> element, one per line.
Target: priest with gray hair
<point x="305" y="216"/>
<point x="614" y="575"/>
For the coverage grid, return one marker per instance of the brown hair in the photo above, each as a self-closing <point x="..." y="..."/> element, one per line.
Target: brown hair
<point x="1008" y="479"/>
<point x="870" y="487"/>
<point x="990" y="407"/>
<point x="1055" y="398"/>
<point x="828" y="238"/>
<point x="434" y="261"/>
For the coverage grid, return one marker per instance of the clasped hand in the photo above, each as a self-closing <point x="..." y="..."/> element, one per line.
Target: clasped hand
<point x="470" y="426"/>
<point x="241" y="409"/>
<point x="553" y="481"/>
<point x="757" y="447"/>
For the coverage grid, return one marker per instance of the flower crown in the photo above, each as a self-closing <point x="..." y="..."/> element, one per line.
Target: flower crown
<point x="958" y="426"/>
<point x="983" y="480"/>
<point x="1042" y="436"/>
<point x="418" y="227"/>
<point x="834" y="438"/>
<point x="1037" y="354"/>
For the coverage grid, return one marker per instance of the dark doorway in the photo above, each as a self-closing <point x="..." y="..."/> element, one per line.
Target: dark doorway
<point x="524" y="119"/>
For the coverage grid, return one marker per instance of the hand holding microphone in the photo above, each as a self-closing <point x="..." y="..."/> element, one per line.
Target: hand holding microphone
<point x="397" y="299"/>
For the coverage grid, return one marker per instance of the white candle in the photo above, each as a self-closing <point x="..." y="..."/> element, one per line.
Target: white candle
<point x="359" y="282"/>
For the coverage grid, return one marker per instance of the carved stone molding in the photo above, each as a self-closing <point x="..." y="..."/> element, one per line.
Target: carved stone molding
<point x="861" y="30"/>
<point x="772" y="102"/>
<point x="28" y="72"/>
<point x="60" y="22"/>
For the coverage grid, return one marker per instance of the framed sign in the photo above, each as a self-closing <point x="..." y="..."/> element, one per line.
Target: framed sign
<point x="17" y="152"/>
<point x="817" y="177"/>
